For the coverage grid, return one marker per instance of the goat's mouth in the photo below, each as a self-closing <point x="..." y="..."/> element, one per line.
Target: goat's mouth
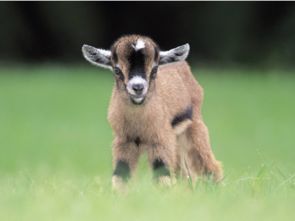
<point x="137" y="99"/>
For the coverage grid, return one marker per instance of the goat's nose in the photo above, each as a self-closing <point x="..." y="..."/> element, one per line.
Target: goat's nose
<point x="138" y="88"/>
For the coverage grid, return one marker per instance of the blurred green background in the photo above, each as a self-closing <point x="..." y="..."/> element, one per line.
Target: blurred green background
<point x="55" y="142"/>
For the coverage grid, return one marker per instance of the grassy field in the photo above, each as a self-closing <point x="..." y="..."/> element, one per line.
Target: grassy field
<point x="55" y="143"/>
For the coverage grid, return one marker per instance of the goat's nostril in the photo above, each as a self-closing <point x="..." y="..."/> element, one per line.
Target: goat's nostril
<point x="138" y="88"/>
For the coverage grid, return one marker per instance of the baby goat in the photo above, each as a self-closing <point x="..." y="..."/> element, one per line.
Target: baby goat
<point x="155" y="107"/>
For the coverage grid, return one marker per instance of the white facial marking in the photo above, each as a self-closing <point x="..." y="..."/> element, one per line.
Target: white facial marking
<point x="139" y="45"/>
<point x="137" y="80"/>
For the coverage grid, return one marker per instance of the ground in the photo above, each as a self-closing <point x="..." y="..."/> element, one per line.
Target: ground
<point x="55" y="143"/>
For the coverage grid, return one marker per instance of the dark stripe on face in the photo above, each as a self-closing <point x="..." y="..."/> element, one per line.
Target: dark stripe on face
<point x="160" y="168"/>
<point x="187" y="114"/>
<point x="114" y="55"/>
<point x="154" y="73"/>
<point x="122" y="170"/>
<point x="137" y="62"/>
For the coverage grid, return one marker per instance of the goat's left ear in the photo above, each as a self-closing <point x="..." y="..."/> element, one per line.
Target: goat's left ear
<point x="179" y="53"/>
<point x="96" y="56"/>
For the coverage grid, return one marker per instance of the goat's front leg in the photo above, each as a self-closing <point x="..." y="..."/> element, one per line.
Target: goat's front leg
<point x="162" y="158"/>
<point x="125" y="158"/>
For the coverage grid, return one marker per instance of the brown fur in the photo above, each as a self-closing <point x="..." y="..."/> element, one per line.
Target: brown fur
<point x="182" y="148"/>
<point x="175" y="89"/>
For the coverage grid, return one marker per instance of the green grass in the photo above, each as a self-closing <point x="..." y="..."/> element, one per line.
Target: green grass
<point x="55" y="149"/>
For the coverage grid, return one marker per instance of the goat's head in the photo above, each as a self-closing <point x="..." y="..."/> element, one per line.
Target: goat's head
<point x="134" y="60"/>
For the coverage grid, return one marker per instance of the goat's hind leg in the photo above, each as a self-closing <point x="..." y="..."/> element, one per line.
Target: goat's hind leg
<point x="183" y="164"/>
<point x="201" y="156"/>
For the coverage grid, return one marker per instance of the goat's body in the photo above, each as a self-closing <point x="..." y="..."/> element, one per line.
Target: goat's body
<point x="155" y="107"/>
<point x="162" y="126"/>
<point x="168" y="100"/>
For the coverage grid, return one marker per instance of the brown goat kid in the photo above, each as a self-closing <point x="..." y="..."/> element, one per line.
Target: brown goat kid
<point x="155" y="107"/>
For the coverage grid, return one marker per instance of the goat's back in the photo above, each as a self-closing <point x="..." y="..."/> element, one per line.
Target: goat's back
<point x="178" y="88"/>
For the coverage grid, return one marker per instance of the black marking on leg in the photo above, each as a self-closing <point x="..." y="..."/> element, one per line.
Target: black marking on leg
<point x="187" y="114"/>
<point x="122" y="170"/>
<point x="160" y="168"/>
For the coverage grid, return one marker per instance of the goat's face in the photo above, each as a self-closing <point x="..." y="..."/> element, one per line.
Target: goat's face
<point x="134" y="60"/>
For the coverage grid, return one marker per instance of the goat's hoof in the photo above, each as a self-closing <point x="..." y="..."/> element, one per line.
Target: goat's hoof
<point x="118" y="184"/>
<point x="166" y="181"/>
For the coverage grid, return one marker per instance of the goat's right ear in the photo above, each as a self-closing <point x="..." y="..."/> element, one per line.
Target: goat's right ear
<point x="96" y="56"/>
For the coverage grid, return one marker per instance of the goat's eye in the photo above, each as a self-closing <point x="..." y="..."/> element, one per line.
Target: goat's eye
<point x="117" y="71"/>
<point x="154" y="72"/>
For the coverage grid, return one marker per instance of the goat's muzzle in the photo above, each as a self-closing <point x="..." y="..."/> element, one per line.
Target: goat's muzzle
<point x="137" y="88"/>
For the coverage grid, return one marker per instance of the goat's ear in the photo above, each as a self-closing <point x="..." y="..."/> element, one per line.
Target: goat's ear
<point x="179" y="53"/>
<point x="96" y="56"/>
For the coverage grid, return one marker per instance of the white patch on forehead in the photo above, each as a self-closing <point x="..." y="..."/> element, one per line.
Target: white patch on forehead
<point x="139" y="45"/>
